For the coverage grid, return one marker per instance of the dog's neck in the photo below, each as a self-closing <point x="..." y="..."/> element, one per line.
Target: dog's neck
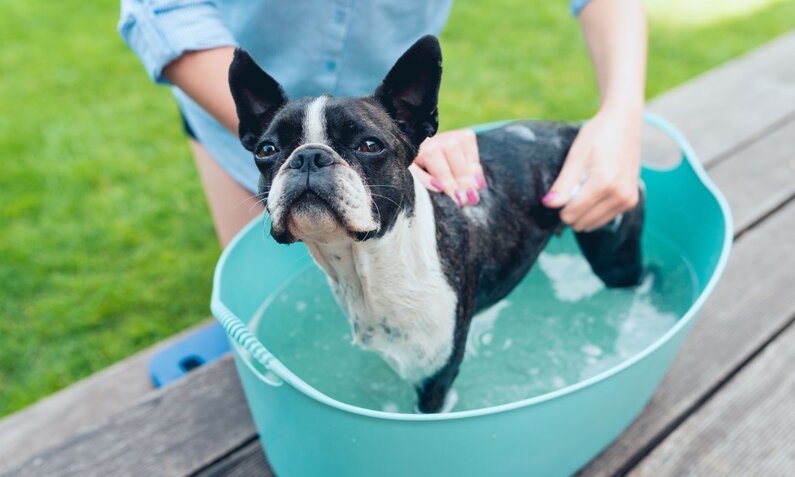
<point x="393" y="290"/>
<point x="348" y="262"/>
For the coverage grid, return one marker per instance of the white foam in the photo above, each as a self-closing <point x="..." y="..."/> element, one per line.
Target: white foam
<point x="591" y="349"/>
<point x="482" y="327"/>
<point x="571" y="276"/>
<point x="644" y="322"/>
<point x="522" y="131"/>
<point x="450" y="400"/>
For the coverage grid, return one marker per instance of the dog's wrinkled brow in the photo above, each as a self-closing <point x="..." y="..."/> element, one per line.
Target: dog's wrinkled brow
<point x="287" y="127"/>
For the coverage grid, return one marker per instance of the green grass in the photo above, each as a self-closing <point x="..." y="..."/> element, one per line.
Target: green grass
<point x="106" y="244"/>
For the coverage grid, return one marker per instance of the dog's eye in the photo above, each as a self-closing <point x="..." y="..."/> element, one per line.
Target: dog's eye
<point x="370" y="145"/>
<point x="266" y="149"/>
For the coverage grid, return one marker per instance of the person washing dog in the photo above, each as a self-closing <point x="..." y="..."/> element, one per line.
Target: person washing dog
<point x="342" y="48"/>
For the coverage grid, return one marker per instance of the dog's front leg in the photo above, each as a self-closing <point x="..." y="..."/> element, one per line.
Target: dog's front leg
<point x="432" y="391"/>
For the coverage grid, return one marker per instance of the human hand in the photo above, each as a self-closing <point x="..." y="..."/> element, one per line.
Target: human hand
<point x="449" y="162"/>
<point x="599" y="179"/>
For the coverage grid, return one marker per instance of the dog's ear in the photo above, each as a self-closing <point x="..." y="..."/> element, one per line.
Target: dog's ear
<point x="410" y="91"/>
<point x="257" y="97"/>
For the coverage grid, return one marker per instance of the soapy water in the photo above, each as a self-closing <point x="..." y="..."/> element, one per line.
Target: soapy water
<point x="559" y="326"/>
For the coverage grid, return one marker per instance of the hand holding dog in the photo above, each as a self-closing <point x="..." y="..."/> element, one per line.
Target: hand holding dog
<point x="603" y="165"/>
<point x="449" y="163"/>
<point x="601" y="170"/>
<point x="599" y="179"/>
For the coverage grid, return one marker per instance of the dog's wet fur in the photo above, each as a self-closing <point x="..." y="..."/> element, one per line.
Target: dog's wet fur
<point x="411" y="268"/>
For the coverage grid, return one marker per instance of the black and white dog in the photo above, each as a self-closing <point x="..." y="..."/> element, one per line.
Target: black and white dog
<point x="410" y="268"/>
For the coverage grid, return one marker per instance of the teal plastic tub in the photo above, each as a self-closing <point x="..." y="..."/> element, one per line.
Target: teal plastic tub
<point x="306" y="433"/>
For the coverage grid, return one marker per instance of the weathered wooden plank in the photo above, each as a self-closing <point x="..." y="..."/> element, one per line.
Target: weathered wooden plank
<point x="175" y="431"/>
<point x="247" y="461"/>
<point x="746" y="429"/>
<point x="735" y="103"/>
<point x="79" y="407"/>
<point x="759" y="178"/>
<point x="750" y="305"/>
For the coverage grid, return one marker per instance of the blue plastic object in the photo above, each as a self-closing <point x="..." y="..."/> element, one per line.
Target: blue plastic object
<point x="307" y="433"/>
<point x="198" y="348"/>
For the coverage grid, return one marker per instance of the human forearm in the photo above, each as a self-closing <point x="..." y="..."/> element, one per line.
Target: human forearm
<point x="202" y="75"/>
<point x="602" y="167"/>
<point x="615" y="33"/>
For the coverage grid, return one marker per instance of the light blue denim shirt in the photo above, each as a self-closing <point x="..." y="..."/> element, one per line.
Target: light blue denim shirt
<point x="311" y="47"/>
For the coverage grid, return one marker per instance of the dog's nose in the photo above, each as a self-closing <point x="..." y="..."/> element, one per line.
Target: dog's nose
<point x="311" y="159"/>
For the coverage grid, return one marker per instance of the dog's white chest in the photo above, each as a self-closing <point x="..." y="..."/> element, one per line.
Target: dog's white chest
<point x="395" y="294"/>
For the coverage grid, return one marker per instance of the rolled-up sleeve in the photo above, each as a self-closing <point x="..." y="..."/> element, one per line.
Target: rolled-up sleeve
<point x="159" y="31"/>
<point x="577" y="6"/>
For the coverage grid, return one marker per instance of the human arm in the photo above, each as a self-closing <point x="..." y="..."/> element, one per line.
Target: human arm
<point x="607" y="150"/>
<point x="202" y="75"/>
<point x="604" y="161"/>
<point x="186" y="44"/>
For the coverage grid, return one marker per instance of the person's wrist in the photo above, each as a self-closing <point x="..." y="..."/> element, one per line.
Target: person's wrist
<point x="625" y="109"/>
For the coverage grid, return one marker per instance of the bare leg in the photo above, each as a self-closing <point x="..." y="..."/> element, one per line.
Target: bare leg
<point x="231" y="205"/>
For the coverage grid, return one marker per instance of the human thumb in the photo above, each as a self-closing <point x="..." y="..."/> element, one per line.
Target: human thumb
<point x="565" y="186"/>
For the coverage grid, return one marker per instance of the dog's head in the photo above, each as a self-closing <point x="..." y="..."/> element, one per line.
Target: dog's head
<point x="337" y="168"/>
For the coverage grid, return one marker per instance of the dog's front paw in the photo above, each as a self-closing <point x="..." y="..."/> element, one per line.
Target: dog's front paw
<point x="433" y="397"/>
<point x="430" y="404"/>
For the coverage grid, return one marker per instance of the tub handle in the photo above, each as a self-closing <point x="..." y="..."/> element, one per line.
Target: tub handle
<point x="239" y="333"/>
<point x="689" y="158"/>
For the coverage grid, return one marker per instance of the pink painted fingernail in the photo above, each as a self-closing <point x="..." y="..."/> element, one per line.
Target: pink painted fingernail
<point x="460" y="197"/>
<point x="472" y="196"/>
<point x="551" y="196"/>
<point x="480" y="181"/>
<point x="437" y="184"/>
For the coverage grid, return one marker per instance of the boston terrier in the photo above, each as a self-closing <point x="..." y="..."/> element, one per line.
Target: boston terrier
<point x="410" y="268"/>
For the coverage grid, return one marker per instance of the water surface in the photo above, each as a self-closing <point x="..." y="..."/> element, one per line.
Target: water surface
<point x="558" y="327"/>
